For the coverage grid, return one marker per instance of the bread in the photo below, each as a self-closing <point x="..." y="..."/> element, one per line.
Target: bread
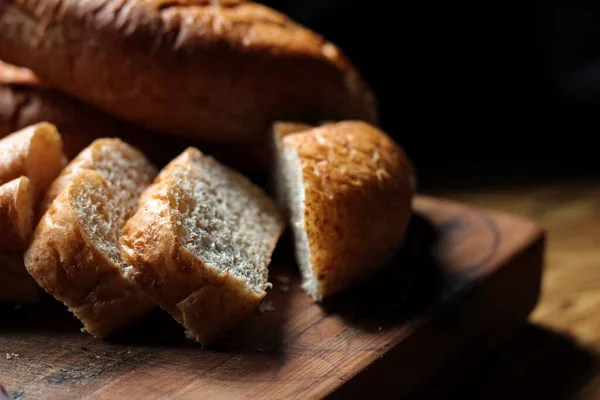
<point x="35" y="152"/>
<point x="219" y="71"/>
<point x="26" y="100"/>
<point x="200" y="244"/>
<point x="16" y="214"/>
<point x="16" y="285"/>
<point x="346" y="190"/>
<point x="74" y="253"/>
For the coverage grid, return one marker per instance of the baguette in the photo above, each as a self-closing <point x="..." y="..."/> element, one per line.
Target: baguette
<point x="74" y="253"/>
<point x="16" y="215"/>
<point x="26" y="100"/>
<point x="16" y="285"/>
<point x="201" y="242"/>
<point x="35" y="152"/>
<point x="215" y="71"/>
<point x="347" y="192"/>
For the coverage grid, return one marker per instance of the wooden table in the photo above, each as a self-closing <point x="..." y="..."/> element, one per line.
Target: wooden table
<point x="557" y="354"/>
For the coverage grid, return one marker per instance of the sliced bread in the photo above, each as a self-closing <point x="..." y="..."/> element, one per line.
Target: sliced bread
<point x="346" y="189"/>
<point x="35" y="152"/>
<point x="16" y="215"/>
<point x="201" y="242"/>
<point x="74" y="252"/>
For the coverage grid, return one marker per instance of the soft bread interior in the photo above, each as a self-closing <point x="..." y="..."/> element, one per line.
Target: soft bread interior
<point x="101" y="214"/>
<point x="290" y="195"/>
<point x="105" y="198"/>
<point x="225" y="221"/>
<point x="126" y="173"/>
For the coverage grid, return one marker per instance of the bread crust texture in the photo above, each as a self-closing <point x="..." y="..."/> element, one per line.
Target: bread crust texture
<point x="26" y="100"/>
<point x="357" y="201"/>
<point x="215" y="71"/>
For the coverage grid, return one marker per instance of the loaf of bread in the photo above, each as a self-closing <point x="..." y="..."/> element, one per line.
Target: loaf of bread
<point x="74" y="253"/>
<point x="35" y="152"/>
<point x="346" y="189"/>
<point x="17" y="200"/>
<point x="201" y="242"/>
<point x="25" y="100"/>
<point x="16" y="285"/>
<point x="219" y="71"/>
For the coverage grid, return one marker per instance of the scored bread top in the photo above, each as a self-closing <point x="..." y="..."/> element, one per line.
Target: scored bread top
<point x="218" y="71"/>
<point x="354" y="186"/>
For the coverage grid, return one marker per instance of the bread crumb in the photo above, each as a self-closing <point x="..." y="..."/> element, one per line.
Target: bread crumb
<point x="269" y="285"/>
<point x="266" y="306"/>
<point x="10" y="356"/>
<point x="189" y="335"/>
<point x="82" y="330"/>
<point x="330" y="51"/>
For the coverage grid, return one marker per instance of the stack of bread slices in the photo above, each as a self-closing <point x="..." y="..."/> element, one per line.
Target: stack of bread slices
<point x="126" y="187"/>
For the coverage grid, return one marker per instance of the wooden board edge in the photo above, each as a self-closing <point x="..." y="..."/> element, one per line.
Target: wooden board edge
<point x="452" y="334"/>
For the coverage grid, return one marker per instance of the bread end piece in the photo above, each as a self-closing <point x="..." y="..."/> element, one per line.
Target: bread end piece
<point x="74" y="255"/>
<point x="16" y="214"/>
<point x="35" y="152"/>
<point x="347" y="192"/>
<point x="200" y="244"/>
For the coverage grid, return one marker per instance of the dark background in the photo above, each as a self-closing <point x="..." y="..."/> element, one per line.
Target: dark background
<point x="505" y="83"/>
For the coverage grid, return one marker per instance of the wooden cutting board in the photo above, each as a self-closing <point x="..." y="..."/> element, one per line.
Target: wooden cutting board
<point x="465" y="279"/>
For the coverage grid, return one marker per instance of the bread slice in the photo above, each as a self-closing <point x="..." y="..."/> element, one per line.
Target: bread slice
<point x="74" y="251"/>
<point x="174" y="66"/>
<point x="346" y="190"/>
<point x="16" y="215"/>
<point x="35" y="152"/>
<point x="201" y="242"/>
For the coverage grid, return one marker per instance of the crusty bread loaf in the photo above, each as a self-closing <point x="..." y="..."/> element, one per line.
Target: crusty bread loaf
<point x="35" y="152"/>
<point x="346" y="189"/>
<point x="219" y="71"/>
<point x="74" y="251"/>
<point x="201" y="242"/>
<point x="17" y="199"/>
<point x="25" y="100"/>
<point x="16" y="285"/>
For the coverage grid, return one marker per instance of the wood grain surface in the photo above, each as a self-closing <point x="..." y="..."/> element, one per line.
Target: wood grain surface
<point x="556" y="355"/>
<point x="465" y="280"/>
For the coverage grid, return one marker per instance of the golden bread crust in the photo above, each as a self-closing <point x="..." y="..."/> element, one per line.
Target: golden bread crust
<point x="35" y="152"/>
<point x="25" y="100"/>
<point x="358" y="200"/>
<point x="16" y="214"/>
<point x="220" y="73"/>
